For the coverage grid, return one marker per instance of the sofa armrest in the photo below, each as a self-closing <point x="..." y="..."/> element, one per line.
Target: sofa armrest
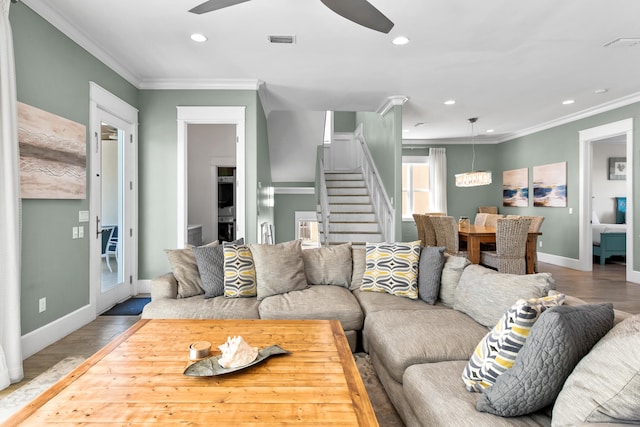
<point x="164" y="286"/>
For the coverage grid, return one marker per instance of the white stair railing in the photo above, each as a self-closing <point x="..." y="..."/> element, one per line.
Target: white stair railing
<point x="379" y="199"/>
<point x="323" y="195"/>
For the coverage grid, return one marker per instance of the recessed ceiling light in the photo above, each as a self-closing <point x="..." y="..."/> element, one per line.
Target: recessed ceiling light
<point x="197" y="37"/>
<point x="599" y="91"/>
<point x="568" y="102"/>
<point x="449" y="102"/>
<point x="400" y="41"/>
<point x="490" y="130"/>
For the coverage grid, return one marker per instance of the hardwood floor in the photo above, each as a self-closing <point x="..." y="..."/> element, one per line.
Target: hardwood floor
<point x="605" y="284"/>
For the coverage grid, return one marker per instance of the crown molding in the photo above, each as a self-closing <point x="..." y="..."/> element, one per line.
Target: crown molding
<point x="598" y="109"/>
<point x="60" y="22"/>
<point x="202" y="84"/>
<point x="391" y="102"/>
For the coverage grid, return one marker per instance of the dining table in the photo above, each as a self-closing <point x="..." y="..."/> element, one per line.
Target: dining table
<point x="475" y="235"/>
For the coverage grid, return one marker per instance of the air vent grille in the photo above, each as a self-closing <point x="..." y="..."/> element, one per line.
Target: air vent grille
<point x="624" y="42"/>
<point x="282" y="39"/>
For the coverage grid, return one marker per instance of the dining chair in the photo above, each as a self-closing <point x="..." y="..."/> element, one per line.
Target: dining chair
<point x="488" y="209"/>
<point x="510" y="255"/>
<point x="481" y="218"/>
<point x="446" y="230"/>
<point x="536" y="224"/>
<point x="112" y="246"/>
<point x="492" y="220"/>
<point x="513" y="216"/>
<point x="418" y="219"/>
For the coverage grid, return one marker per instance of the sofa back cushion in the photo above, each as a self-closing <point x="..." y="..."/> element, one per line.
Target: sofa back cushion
<point x="279" y="268"/>
<point x="485" y="294"/>
<point x="359" y="256"/>
<point x="331" y="265"/>
<point x="605" y="385"/>
<point x="185" y="269"/>
<point x="451" y="272"/>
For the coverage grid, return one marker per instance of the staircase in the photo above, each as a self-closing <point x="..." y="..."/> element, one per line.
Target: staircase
<point x="352" y="216"/>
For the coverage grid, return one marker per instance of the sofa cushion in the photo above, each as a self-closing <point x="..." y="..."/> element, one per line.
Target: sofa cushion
<point x="437" y="399"/>
<point x="198" y="307"/>
<point x="401" y="338"/>
<point x="331" y="265"/>
<point x="210" y="260"/>
<point x="359" y="256"/>
<point x="239" y="271"/>
<point x="605" y="385"/>
<point x="279" y="268"/>
<point x="376" y="301"/>
<point x="315" y="302"/>
<point x="485" y="294"/>
<point x="185" y="269"/>
<point x="498" y="349"/>
<point x="557" y="341"/>
<point x="392" y="268"/>
<point x="451" y="272"/>
<point x="430" y="272"/>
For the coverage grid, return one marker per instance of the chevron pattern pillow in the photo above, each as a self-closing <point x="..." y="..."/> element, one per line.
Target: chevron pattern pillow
<point x="239" y="272"/>
<point x="392" y="268"/>
<point x="497" y="351"/>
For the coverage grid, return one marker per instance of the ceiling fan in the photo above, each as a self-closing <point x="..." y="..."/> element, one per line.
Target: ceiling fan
<point x="359" y="11"/>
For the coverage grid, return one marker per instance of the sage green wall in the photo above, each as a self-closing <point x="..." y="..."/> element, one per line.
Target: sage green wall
<point x="53" y="74"/>
<point x="157" y="167"/>
<point x="560" y="229"/>
<point x="262" y="163"/>
<point x="285" y="210"/>
<point x="344" y="121"/>
<point x="383" y="135"/>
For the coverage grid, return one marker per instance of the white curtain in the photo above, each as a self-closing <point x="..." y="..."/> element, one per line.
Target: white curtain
<point x="10" y="224"/>
<point x="438" y="179"/>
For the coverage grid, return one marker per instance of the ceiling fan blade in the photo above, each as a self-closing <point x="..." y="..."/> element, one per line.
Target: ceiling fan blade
<point x="361" y="12"/>
<point x="212" y="5"/>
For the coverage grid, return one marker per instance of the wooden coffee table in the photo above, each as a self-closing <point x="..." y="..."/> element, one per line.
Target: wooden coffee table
<point x="138" y="379"/>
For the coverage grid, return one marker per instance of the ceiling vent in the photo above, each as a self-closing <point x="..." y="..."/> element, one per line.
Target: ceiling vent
<point x="282" y="39"/>
<point x="624" y="42"/>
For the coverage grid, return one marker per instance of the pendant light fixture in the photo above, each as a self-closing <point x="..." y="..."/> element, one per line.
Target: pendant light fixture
<point x="473" y="178"/>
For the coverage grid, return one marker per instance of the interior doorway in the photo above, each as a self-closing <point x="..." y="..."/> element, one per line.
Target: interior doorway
<point x="113" y="204"/>
<point x="622" y="129"/>
<point x="209" y="115"/>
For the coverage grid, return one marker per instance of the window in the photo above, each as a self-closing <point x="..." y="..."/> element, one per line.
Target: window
<point x="415" y="185"/>
<point x="307" y="229"/>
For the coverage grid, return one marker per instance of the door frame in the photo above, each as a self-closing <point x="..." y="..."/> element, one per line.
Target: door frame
<point x="209" y="115"/>
<point x="102" y="101"/>
<point x="587" y="137"/>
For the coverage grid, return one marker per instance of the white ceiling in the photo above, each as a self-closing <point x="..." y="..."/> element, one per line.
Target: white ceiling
<point x="510" y="63"/>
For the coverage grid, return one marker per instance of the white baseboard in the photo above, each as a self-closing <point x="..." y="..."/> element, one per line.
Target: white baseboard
<point x="144" y="286"/>
<point x="36" y="340"/>
<point x="559" y="260"/>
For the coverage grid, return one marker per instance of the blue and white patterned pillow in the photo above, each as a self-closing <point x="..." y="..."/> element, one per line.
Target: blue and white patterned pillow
<point x="497" y="351"/>
<point x="239" y="272"/>
<point x="392" y="268"/>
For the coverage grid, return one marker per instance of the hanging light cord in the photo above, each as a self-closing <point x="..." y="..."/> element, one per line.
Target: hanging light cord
<point x="473" y="144"/>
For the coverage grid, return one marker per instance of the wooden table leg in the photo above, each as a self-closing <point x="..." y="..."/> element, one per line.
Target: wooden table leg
<point x="473" y="249"/>
<point x="532" y="253"/>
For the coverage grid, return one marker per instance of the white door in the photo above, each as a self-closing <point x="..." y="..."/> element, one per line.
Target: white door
<point x="113" y="207"/>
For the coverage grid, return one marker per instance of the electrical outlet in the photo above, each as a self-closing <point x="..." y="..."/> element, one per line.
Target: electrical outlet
<point x="540" y="243"/>
<point x="80" y="232"/>
<point x="42" y="305"/>
<point x="74" y="233"/>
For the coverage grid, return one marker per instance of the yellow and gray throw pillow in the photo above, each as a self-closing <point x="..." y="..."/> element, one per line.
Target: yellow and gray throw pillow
<point x="239" y="272"/>
<point x="392" y="268"/>
<point x="497" y="351"/>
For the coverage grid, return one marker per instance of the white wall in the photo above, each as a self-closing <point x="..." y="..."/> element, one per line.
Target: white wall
<point x="604" y="190"/>
<point x="206" y="143"/>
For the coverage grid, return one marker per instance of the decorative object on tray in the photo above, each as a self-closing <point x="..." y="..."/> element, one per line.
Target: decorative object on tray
<point x="236" y="355"/>
<point x="617" y="168"/>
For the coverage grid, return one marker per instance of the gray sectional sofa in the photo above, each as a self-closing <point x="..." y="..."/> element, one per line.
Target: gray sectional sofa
<point x="419" y="350"/>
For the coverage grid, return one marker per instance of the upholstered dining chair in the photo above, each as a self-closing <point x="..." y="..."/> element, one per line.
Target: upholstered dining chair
<point x="429" y="231"/>
<point x="492" y="220"/>
<point x="511" y="247"/>
<point x="446" y="230"/>
<point x="536" y="224"/>
<point x="488" y="209"/>
<point x="481" y="218"/>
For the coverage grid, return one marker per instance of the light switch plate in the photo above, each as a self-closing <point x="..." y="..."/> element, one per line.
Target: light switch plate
<point x="83" y="216"/>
